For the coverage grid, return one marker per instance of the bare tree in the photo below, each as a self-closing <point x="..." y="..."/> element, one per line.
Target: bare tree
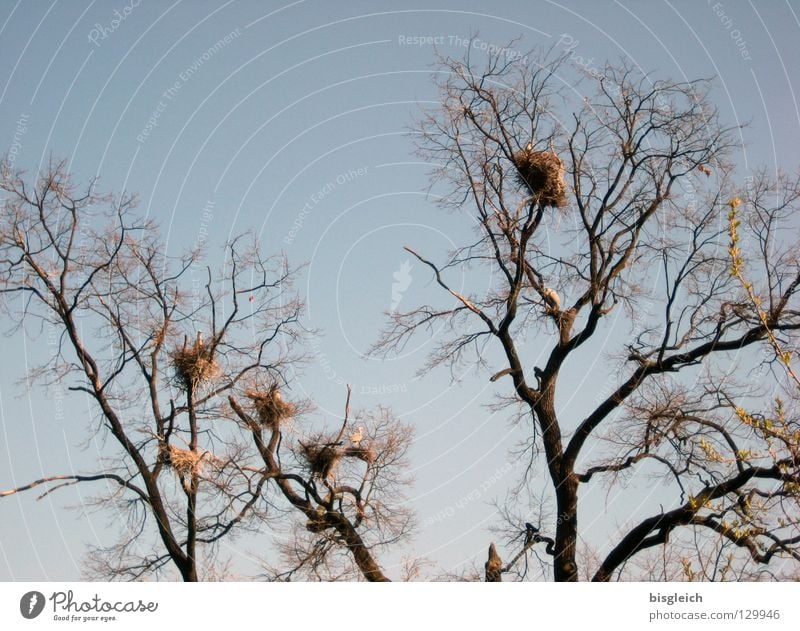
<point x="352" y="488"/>
<point x="187" y="378"/>
<point x="610" y="209"/>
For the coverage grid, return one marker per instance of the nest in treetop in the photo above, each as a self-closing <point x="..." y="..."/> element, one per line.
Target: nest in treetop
<point x="194" y="364"/>
<point x="367" y="454"/>
<point x="542" y="173"/>
<point x="324" y="458"/>
<point x="270" y="407"/>
<point x="183" y="461"/>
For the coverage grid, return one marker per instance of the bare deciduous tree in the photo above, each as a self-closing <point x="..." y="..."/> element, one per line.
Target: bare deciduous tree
<point x="606" y="216"/>
<point x="185" y="369"/>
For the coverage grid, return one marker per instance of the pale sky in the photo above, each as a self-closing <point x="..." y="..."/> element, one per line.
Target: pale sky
<point x="291" y="119"/>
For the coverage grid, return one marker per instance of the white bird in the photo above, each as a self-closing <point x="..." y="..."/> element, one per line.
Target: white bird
<point x="551" y="296"/>
<point x="357" y="436"/>
<point x="199" y="339"/>
<point x="529" y="147"/>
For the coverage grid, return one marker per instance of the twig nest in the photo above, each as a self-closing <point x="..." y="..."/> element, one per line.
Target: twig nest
<point x="270" y="407"/>
<point x="184" y="461"/>
<point x="323" y="459"/>
<point x="323" y="455"/>
<point x="194" y="364"/>
<point x="365" y="453"/>
<point x="542" y="173"/>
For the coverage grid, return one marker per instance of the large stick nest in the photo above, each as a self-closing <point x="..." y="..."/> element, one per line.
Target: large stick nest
<point x="367" y="454"/>
<point x="194" y="364"/>
<point x="324" y="457"/>
<point x="542" y="172"/>
<point x="184" y="461"/>
<point x="270" y="407"/>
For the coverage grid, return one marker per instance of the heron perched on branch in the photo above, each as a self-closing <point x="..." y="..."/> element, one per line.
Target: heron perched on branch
<point x="551" y="297"/>
<point x="357" y="436"/>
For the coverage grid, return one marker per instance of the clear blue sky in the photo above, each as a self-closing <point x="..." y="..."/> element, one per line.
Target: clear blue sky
<point x="252" y="109"/>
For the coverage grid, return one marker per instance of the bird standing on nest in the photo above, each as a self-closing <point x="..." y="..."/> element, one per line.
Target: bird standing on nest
<point x="357" y="436"/>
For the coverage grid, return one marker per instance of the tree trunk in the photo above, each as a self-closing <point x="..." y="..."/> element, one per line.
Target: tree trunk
<point x="564" y="482"/>
<point x="564" y="566"/>
<point x="189" y="572"/>
<point x="361" y="554"/>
